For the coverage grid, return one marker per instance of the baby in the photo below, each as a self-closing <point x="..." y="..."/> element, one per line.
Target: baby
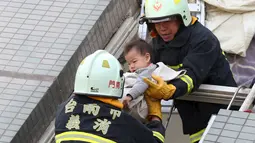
<point x="138" y="56"/>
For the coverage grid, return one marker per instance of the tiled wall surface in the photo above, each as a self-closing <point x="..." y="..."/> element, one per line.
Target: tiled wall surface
<point x="232" y="127"/>
<point x="41" y="45"/>
<point x="40" y="36"/>
<point x="17" y="100"/>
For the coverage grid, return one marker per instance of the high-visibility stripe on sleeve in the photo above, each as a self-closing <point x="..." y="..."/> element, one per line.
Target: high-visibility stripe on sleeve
<point x="81" y="136"/>
<point x="223" y="53"/>
<point x="197" y="136"/>
<point x="159" y="136"/>
<point x="176" y="67"/>
<point x="188" y="80"/>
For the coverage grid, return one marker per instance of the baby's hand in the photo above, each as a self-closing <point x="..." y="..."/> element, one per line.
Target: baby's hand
<point x="126" y="101"/>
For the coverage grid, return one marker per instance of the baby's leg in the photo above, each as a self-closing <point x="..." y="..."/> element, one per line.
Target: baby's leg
<point x="140" y="111"/>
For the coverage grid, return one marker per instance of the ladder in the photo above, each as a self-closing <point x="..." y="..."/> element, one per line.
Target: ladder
<point x="246" y="105"/>
<point x="238" y="96"/>
<point x="214" y="94"/>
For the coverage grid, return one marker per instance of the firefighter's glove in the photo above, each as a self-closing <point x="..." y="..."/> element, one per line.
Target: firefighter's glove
<point x="154" y="107"/>
<point x="159" y="89"/>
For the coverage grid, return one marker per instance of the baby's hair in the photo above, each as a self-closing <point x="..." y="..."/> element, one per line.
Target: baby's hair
<point x="140" y="45"/>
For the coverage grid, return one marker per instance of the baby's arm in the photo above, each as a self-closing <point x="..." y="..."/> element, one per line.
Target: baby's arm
<point x="138" y="89"/>
<point x="140" y="86"/>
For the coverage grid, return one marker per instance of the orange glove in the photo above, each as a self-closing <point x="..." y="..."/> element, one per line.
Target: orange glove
<point x="154" y="107"/>
<point x="160" y="89"/>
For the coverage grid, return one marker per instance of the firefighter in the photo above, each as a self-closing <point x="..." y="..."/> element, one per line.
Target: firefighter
<point x="93" y="114"/>
<point x="181" y="42"/>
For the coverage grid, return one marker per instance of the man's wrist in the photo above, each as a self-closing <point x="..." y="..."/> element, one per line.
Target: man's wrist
<point x="130" y="96"/>
<point x="154" y="118"/>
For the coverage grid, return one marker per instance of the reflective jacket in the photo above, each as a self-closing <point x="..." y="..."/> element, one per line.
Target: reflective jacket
<point x="197" y="50"/>
<point x="82" y="119"/>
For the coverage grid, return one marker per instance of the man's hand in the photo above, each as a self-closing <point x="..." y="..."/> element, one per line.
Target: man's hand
<point x="155" y="118"/>
<point x="126" y="101"/>
<point x="160" y="89"/>
<point x="154" y="108"/>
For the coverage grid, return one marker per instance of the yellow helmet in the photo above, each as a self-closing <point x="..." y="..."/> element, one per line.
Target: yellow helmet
<point x="162" y="10"/>
<point x="99" y="74"/>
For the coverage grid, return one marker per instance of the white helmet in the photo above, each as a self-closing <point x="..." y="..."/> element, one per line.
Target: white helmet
<point x="99" y="74"/>
<point x="162" y="10"/>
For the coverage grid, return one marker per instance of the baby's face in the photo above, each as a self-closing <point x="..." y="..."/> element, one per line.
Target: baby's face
<point x="136" y="61"/>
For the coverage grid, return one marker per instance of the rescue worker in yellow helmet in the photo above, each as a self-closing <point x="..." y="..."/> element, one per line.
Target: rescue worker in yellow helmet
<point x="93" y="114"/>
<point x="181" y="42"/>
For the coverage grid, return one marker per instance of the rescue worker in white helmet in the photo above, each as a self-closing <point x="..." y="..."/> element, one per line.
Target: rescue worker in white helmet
<point x="93" y="114"/>
<point x="181" y="42"/>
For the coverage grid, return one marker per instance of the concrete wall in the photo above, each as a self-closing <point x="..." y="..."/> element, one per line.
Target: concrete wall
<point x="62" y="87"/>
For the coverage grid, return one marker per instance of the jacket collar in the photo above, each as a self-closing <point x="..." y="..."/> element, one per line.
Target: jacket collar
<point x="111" y="101"/>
